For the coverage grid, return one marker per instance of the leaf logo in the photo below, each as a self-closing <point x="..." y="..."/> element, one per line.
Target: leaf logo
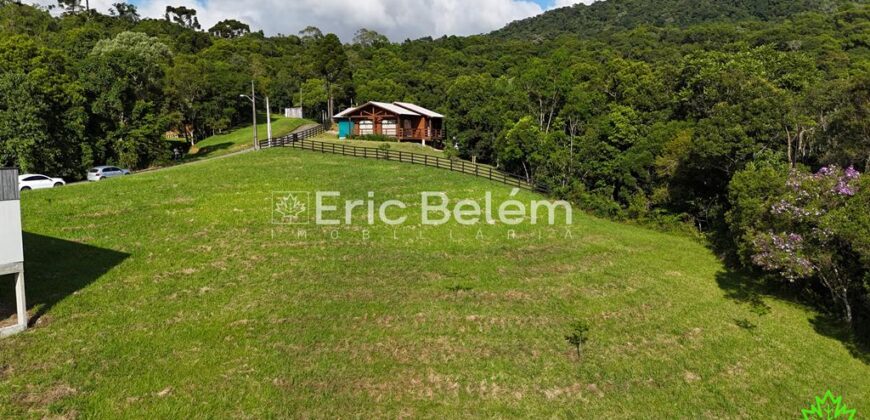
<point x="290" y="208"/>
<point x="829" y="407"/>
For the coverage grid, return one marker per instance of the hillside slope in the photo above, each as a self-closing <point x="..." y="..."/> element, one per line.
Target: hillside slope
<point x="242" y="138"/>
<point x="182" y="299"/>
<point x="615" y="15"/>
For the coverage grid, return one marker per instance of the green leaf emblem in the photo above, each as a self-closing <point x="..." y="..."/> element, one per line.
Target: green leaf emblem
<point x="829" y="407"/>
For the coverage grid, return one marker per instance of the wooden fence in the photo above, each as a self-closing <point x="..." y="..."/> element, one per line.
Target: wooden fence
<point x="292" y="137"/>
<point x="299" y="141"/>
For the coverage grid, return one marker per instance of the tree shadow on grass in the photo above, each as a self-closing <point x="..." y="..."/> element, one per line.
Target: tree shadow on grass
<point x="835" y="328"/>
<point x="746" y="290"/>
<point x="751" y="290"/>
<point x="54" y="269"/>
<point x="207" y="151"/>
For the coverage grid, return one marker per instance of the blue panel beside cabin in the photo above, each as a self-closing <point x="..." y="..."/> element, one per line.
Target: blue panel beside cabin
<point x="345" y="127"/>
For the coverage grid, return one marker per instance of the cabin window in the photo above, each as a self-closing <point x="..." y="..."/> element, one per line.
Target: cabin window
<point x="366" y="127"/>
<point x="389" y="127"/>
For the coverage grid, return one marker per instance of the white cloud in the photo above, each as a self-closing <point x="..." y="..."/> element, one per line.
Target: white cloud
<point x="398" y="19"/>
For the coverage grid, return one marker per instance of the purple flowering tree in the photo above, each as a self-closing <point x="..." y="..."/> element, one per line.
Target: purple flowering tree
<point x="801" y="240"/>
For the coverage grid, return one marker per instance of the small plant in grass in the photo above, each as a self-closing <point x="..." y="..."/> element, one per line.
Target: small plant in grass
<point x="578" y="336"/>
<point x="384" y="150"/>
<point x="451" y="153"/>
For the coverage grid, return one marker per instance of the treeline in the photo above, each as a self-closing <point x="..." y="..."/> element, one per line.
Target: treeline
<point x="753" y="131"/>
<point x="83" y="88"/>
<point x="612" y="16"/>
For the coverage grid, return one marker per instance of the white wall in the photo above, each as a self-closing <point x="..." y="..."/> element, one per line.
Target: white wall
<point x="11" y="250"/>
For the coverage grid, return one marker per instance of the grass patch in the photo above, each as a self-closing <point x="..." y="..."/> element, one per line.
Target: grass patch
<point x="394" y="145"/>
<point x="243" y="138"/>
<point x="170" y="294"/>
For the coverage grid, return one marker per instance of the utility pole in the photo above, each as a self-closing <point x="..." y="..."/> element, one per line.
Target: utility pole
<point x="253" y="99"/>
<point x="254" y="107"/>
<point x="268" y="122"/>
<point x="301" y="108"/>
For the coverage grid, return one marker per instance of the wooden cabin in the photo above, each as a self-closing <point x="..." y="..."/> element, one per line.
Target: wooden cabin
<point x="400" y="120"/>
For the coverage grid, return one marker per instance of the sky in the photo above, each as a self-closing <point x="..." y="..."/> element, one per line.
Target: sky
<point x="398" y="19"/>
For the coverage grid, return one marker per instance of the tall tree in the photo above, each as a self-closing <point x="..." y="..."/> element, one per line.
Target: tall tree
<point x="125" y="11"/>
<point x="42" y="114"/>
<point x="229" y="28"/>
<point x="183" y="16"/>
<point x="333" y="66"/>
<point x="368" y="38"/>
<point x="123" y="78"/>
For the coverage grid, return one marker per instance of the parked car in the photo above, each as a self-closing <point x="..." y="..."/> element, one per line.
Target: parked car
<point x="38" y="182"/>
<point x="102" y="172"/>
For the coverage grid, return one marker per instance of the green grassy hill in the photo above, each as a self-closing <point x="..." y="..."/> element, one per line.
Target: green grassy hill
<point x="243" y="138"/>
<point x="171" y="294"/>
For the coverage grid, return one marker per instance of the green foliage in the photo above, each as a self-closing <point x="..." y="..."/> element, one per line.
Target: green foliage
<point x="368" y="38"/>
<point x="314" y="93"/>
<point x="183" y="16"/>
<point x="589" y="20"/>
<point x="578" y="336"/>
<point x="804" y="227"/>
<point x="42" y="110"/>
<point x="229" y="28"/>
<point x="383" y="90"/>
<point x="125" y="11"/>
<point x="122" y="80"/>
<point x="523" y="148"/>
<point x="750" y="193"/>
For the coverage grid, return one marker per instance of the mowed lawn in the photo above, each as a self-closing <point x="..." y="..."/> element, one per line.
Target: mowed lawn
<point x="409" y="147"/>
<point x="171" y="294"/>
<point x="243" y="138"/>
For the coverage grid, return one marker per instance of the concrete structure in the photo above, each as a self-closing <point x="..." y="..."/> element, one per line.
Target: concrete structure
<point x="11" y="247"/>
<point x="293" y="112"/>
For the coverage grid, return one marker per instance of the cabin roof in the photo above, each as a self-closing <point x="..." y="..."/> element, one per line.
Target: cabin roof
<point x="383" y="105"/>
<point x="345" y="113"/>
<point x="398" y="108"/>
<point x="395" y="109"/>
<point x="419" y="109"/>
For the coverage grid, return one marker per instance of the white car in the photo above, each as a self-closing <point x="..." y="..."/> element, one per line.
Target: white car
<point x="38" y="182"/>
<point x="102" y="172"/>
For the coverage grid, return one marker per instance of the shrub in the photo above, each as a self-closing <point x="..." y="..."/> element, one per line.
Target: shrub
<point x="384" y="150"/>
<point x="812" y="227"/>
<point x="578" y="336"/>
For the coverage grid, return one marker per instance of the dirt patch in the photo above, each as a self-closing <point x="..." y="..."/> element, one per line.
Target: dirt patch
<point x="43" y="398"/>
<point x="691" y="377"/>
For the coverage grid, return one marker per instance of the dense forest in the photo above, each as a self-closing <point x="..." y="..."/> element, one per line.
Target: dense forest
<point x="748" y="121"/>
<point x="610" y="16"/>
